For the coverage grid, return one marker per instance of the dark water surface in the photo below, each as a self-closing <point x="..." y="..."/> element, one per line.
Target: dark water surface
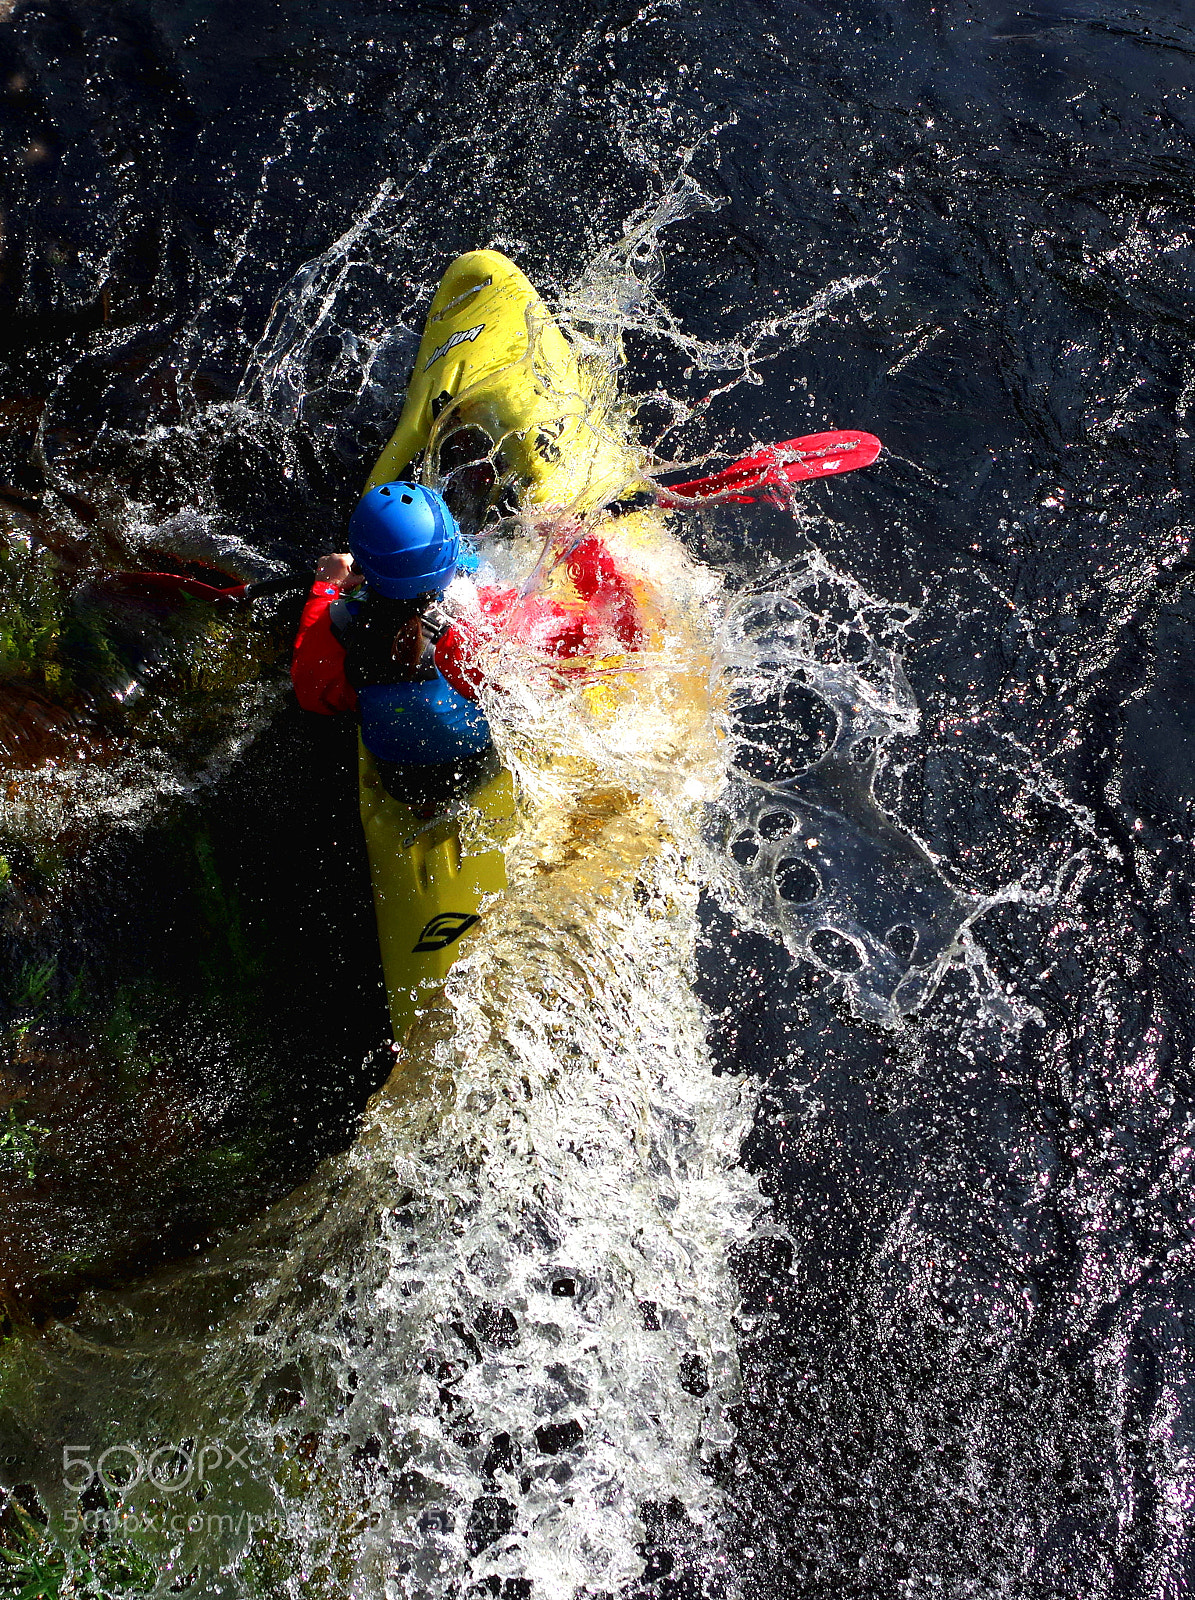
<point x="969" y="1371"/>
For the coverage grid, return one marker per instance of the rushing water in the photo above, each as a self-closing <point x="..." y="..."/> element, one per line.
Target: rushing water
<point x="535" y="1324"/>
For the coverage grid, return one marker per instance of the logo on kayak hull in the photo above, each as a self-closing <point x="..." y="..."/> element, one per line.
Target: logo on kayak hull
<point x="464" y="336"/>
<point x="444" y="930"/>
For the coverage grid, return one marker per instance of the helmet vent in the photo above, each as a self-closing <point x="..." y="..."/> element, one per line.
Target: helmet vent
<point x="406" y="499"/>
<point x="385" y="491"/>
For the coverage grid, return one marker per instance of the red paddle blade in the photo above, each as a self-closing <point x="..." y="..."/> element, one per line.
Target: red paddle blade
<point x="169" y="583"/>
<point x="817" y="455"/>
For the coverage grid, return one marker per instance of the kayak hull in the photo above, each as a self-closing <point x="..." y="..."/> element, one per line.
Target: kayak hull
<point x="430" y="886"/>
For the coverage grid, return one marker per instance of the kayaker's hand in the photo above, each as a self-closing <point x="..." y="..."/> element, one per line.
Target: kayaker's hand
<point x="338" y="569"/>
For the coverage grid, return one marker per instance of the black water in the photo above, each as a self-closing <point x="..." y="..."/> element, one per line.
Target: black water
<point x="971" y="1373"/>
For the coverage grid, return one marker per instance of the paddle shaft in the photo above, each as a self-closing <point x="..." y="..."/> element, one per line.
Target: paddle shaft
<point x="816" y="455"/>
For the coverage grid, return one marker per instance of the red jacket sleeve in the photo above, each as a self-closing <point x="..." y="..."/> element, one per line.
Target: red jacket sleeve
<point x="547" y="626"/>
<point x="608" y="593"/>
<point x="606" y="606"/>
<point x="317" y="666"/>
<point x="456" y="648"/>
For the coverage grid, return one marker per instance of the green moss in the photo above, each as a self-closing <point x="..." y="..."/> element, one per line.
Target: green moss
<point x="115" y="1570"/>
<point x="220" y="1162"/>
<point x="34" y="1565"/>
<point x="93" y="656"/>
<point x="31" y="1567"/>
<point x="220" y="906"/>
<point x="75" y="1003"/>
<point x="32" y="864"/>
<point x="19" y="1145"/>
<point x="135" y="1016"/>
<point x="35" y="602"/>
<point x="34" y="983"/>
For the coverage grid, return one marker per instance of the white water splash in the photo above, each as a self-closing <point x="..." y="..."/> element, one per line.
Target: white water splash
<point x="817" y="695"/>
<point x="482" y="1345"/>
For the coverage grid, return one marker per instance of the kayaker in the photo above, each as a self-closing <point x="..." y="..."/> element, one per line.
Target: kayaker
<point x="393" y="631"/>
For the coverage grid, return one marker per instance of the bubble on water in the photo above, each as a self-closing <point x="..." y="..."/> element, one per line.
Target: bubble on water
<point x="816" y="692"/>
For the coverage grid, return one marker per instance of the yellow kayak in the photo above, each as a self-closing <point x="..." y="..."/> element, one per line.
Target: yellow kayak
<point x="491" y="358"/>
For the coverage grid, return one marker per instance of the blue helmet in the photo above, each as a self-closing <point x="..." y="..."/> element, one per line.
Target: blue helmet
<point x="405" y="540"/>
